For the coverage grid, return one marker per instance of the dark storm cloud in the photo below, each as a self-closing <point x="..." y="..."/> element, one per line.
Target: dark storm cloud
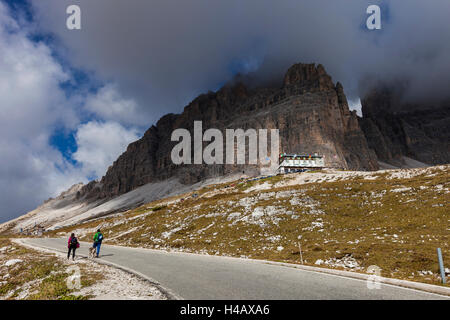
<point x="163" y="53"/>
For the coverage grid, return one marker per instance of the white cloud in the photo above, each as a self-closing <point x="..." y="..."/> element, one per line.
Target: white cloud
<point x="29" y="85"/>
<point x="99" y="144"/>
<point x="32" y="106"/>
<point x="355" y="105"/>
<point x="109" y="105"/>
<point x="163" y="54"/>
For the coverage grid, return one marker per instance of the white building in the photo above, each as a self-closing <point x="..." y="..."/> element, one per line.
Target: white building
<point x="296" y="162"/>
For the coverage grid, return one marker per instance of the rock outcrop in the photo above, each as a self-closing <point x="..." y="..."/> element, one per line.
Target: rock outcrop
<point x="395" y="128"/>
<point x="310" y="111"/>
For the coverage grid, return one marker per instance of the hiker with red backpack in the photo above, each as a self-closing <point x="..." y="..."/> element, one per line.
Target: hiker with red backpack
<point x="73" y="244"/>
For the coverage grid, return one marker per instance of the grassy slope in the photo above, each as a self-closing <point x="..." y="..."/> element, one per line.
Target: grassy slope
<point x="393" y="223"/>
<point x="43" y="275"/>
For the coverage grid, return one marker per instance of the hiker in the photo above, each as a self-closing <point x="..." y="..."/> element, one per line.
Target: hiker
<point x="73" y="244"/>
<point x="98" y="238"/>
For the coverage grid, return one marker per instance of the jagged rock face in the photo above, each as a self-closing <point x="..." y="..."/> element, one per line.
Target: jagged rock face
<point x="394" y="128"/>
<point x="311" y="113"/>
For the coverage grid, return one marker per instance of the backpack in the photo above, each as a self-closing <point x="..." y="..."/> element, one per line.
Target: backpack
<point x="73" y="241"/>
<point x="100" y="237"/>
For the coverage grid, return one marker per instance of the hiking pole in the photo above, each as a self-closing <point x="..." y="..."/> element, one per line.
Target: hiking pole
<point x="441" y="264"/>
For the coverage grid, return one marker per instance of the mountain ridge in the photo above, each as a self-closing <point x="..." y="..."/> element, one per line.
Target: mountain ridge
<point x="310" y="111"/>
<point x="396" y="128"/>
<point x="322" y="122"/>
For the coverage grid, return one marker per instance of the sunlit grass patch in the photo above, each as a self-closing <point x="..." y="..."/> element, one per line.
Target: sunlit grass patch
<point x="391" y="219"/>
<point x="38" y="275"/>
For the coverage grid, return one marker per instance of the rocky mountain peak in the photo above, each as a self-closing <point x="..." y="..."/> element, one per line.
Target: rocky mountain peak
<point x="308" y="75"/>
<point x="310" y="112"/>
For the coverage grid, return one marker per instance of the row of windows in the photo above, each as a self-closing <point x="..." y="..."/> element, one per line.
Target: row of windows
<point x="300" y="158"/>
<point x="302" y="162"/>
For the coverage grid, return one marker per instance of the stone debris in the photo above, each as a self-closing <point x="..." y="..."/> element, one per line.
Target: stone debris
<point x="347" y="262"/>
<point x="12" y="262"/>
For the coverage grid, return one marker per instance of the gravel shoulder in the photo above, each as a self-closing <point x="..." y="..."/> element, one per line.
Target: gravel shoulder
<point x="33" y="273"/>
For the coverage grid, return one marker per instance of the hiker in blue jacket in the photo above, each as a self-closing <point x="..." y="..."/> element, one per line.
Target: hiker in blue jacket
<point x="98" y="238"/>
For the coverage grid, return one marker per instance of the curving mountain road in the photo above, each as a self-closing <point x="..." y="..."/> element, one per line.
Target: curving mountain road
<point x="192" y="276"/>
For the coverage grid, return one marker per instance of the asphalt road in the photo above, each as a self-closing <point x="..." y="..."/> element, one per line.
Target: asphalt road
<point x="191" y="276"/>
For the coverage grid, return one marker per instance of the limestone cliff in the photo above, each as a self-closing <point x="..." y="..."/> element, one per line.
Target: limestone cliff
<point x="396" y="128"/>
<point x="310" y="111"/>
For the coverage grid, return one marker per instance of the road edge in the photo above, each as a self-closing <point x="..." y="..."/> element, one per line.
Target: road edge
<point x="167" y="292"/>
<point x="424" y="287"/>
<point x="419" y="286"/>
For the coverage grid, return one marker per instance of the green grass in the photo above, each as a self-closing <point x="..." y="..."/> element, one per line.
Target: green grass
<point x="365" y="219"/>
<point x="44" y="272"/>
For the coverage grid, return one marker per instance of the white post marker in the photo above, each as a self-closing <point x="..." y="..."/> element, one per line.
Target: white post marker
<point x="300" y="250"/>
<point x="441" y="264"/>
<point x="373" y="281"/>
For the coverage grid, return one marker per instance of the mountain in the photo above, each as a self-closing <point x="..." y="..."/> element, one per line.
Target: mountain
<point x="395" y="128"/>
<point x="310" y="111"/>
